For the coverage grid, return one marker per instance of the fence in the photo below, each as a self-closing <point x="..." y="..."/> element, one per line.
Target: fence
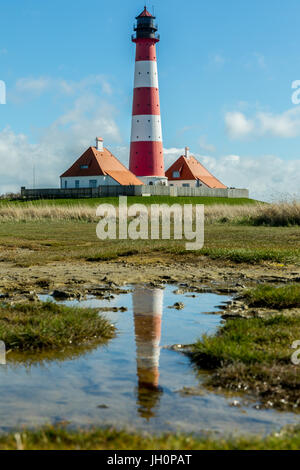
<point x="115" y="191"/>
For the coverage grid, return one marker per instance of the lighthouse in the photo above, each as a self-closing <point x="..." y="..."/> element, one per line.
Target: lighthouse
<point x="146" y="147"/>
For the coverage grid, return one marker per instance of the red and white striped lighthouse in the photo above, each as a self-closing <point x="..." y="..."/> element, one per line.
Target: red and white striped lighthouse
<point x="146" y="149"/>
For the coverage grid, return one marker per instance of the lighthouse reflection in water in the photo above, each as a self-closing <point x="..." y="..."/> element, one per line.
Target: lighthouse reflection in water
<point x="147" y="310"/>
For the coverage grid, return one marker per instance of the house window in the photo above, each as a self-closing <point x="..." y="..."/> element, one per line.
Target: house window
<point x="93" y="183"/>
<point x="185" y="185"/>
<point x="84" y="167"/>
<point x="66" y="184"/>
<point x="176" y="174"/>
<point x="77" y="184"/>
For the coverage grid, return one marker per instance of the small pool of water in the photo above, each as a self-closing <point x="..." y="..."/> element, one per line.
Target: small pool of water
<point x="133" y="382"/>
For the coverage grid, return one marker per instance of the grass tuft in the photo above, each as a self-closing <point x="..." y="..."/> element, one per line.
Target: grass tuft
<point x="249" y="341"/>
<point x="61" y="438"/>
<point x="254" y="355"/>
<point x="49" y="326"/>
<point x="274" y="297"/>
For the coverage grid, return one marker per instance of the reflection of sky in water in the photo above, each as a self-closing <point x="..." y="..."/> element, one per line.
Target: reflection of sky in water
<point x="136" y="379"/>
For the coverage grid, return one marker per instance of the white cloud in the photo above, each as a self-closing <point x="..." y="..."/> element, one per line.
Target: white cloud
<point x="28" y="87"/>
<point x="216" y="61"/>
<point x="204" y="145"/>
<point x="237" y="125"/>
<point x="261" y="61"/>
<point x="268" y="177"/>
<point x="34" y="86"/>
<point x="171" y="154"/>
<point x="219" y="60"/>
<point x="285" y="125"/>
<point x="58" y="146"/>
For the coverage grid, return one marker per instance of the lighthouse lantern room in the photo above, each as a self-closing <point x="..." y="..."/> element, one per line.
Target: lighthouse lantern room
<point x="146" y="148"/>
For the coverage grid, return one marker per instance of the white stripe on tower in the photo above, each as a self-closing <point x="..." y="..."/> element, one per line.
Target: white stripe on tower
<point x="146" y="74"/>
<point x="146" y="128"/>
<point x="146" y="149"/>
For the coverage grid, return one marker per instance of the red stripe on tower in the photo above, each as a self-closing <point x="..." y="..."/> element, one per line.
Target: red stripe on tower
<point x="146" y="148"/>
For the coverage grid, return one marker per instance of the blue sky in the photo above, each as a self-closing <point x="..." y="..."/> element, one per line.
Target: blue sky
<point x="225" y="72"/>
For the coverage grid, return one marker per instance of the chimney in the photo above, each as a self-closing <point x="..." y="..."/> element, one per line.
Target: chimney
<point x="99" y="144"/>
<point x="187" y="152"/>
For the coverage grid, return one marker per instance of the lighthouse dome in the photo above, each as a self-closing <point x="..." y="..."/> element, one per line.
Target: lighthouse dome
<point x="145" y="13"/>
<point x="145" y="26"/>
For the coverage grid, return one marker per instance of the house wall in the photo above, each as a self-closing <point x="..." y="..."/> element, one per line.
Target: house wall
<point x="192" y="183"/>
<point x="152" y="180"/>
<point x="84" y="181"/>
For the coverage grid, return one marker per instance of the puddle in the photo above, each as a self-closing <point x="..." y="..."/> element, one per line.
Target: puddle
<point x="133" y="382"/>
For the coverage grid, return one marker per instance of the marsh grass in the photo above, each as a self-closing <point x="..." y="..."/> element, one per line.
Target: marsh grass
<point x="62" y="438"/>
<point x="38" y="242"/>
<point x="279" y="297"/>
<point x="254" y="355"/>
<point x="216" y="210"/>
<point x="249" y="341"/>
<point x="249" y="256"/>
<point x="94" y="202"/>
<point x="49" y="326"/>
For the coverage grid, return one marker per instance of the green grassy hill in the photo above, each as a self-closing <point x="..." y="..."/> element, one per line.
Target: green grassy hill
<point x="94" y="202"/>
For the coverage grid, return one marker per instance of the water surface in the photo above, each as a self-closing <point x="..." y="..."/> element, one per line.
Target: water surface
<point x="133" y="382"/>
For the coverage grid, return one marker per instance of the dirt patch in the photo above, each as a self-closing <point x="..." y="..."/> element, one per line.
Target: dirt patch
<point x="202" y="275"/>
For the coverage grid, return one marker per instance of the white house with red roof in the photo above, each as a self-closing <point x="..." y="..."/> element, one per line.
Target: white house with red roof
<point x="188" y="172"/>
<point x="97" y="166"/>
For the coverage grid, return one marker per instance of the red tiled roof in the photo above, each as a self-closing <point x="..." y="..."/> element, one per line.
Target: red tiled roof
<point x="102" y="163"/>
<point x="191" y="169"/>
<point x="145" y="13"/>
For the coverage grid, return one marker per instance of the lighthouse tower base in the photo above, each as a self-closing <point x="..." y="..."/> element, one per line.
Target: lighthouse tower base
<point x="154" y="180"/>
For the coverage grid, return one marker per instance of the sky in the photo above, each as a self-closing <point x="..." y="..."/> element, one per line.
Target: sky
<point x="226" y="71"/>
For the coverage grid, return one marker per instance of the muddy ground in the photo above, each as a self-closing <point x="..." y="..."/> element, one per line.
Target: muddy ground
<point x="83" y="277"/>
